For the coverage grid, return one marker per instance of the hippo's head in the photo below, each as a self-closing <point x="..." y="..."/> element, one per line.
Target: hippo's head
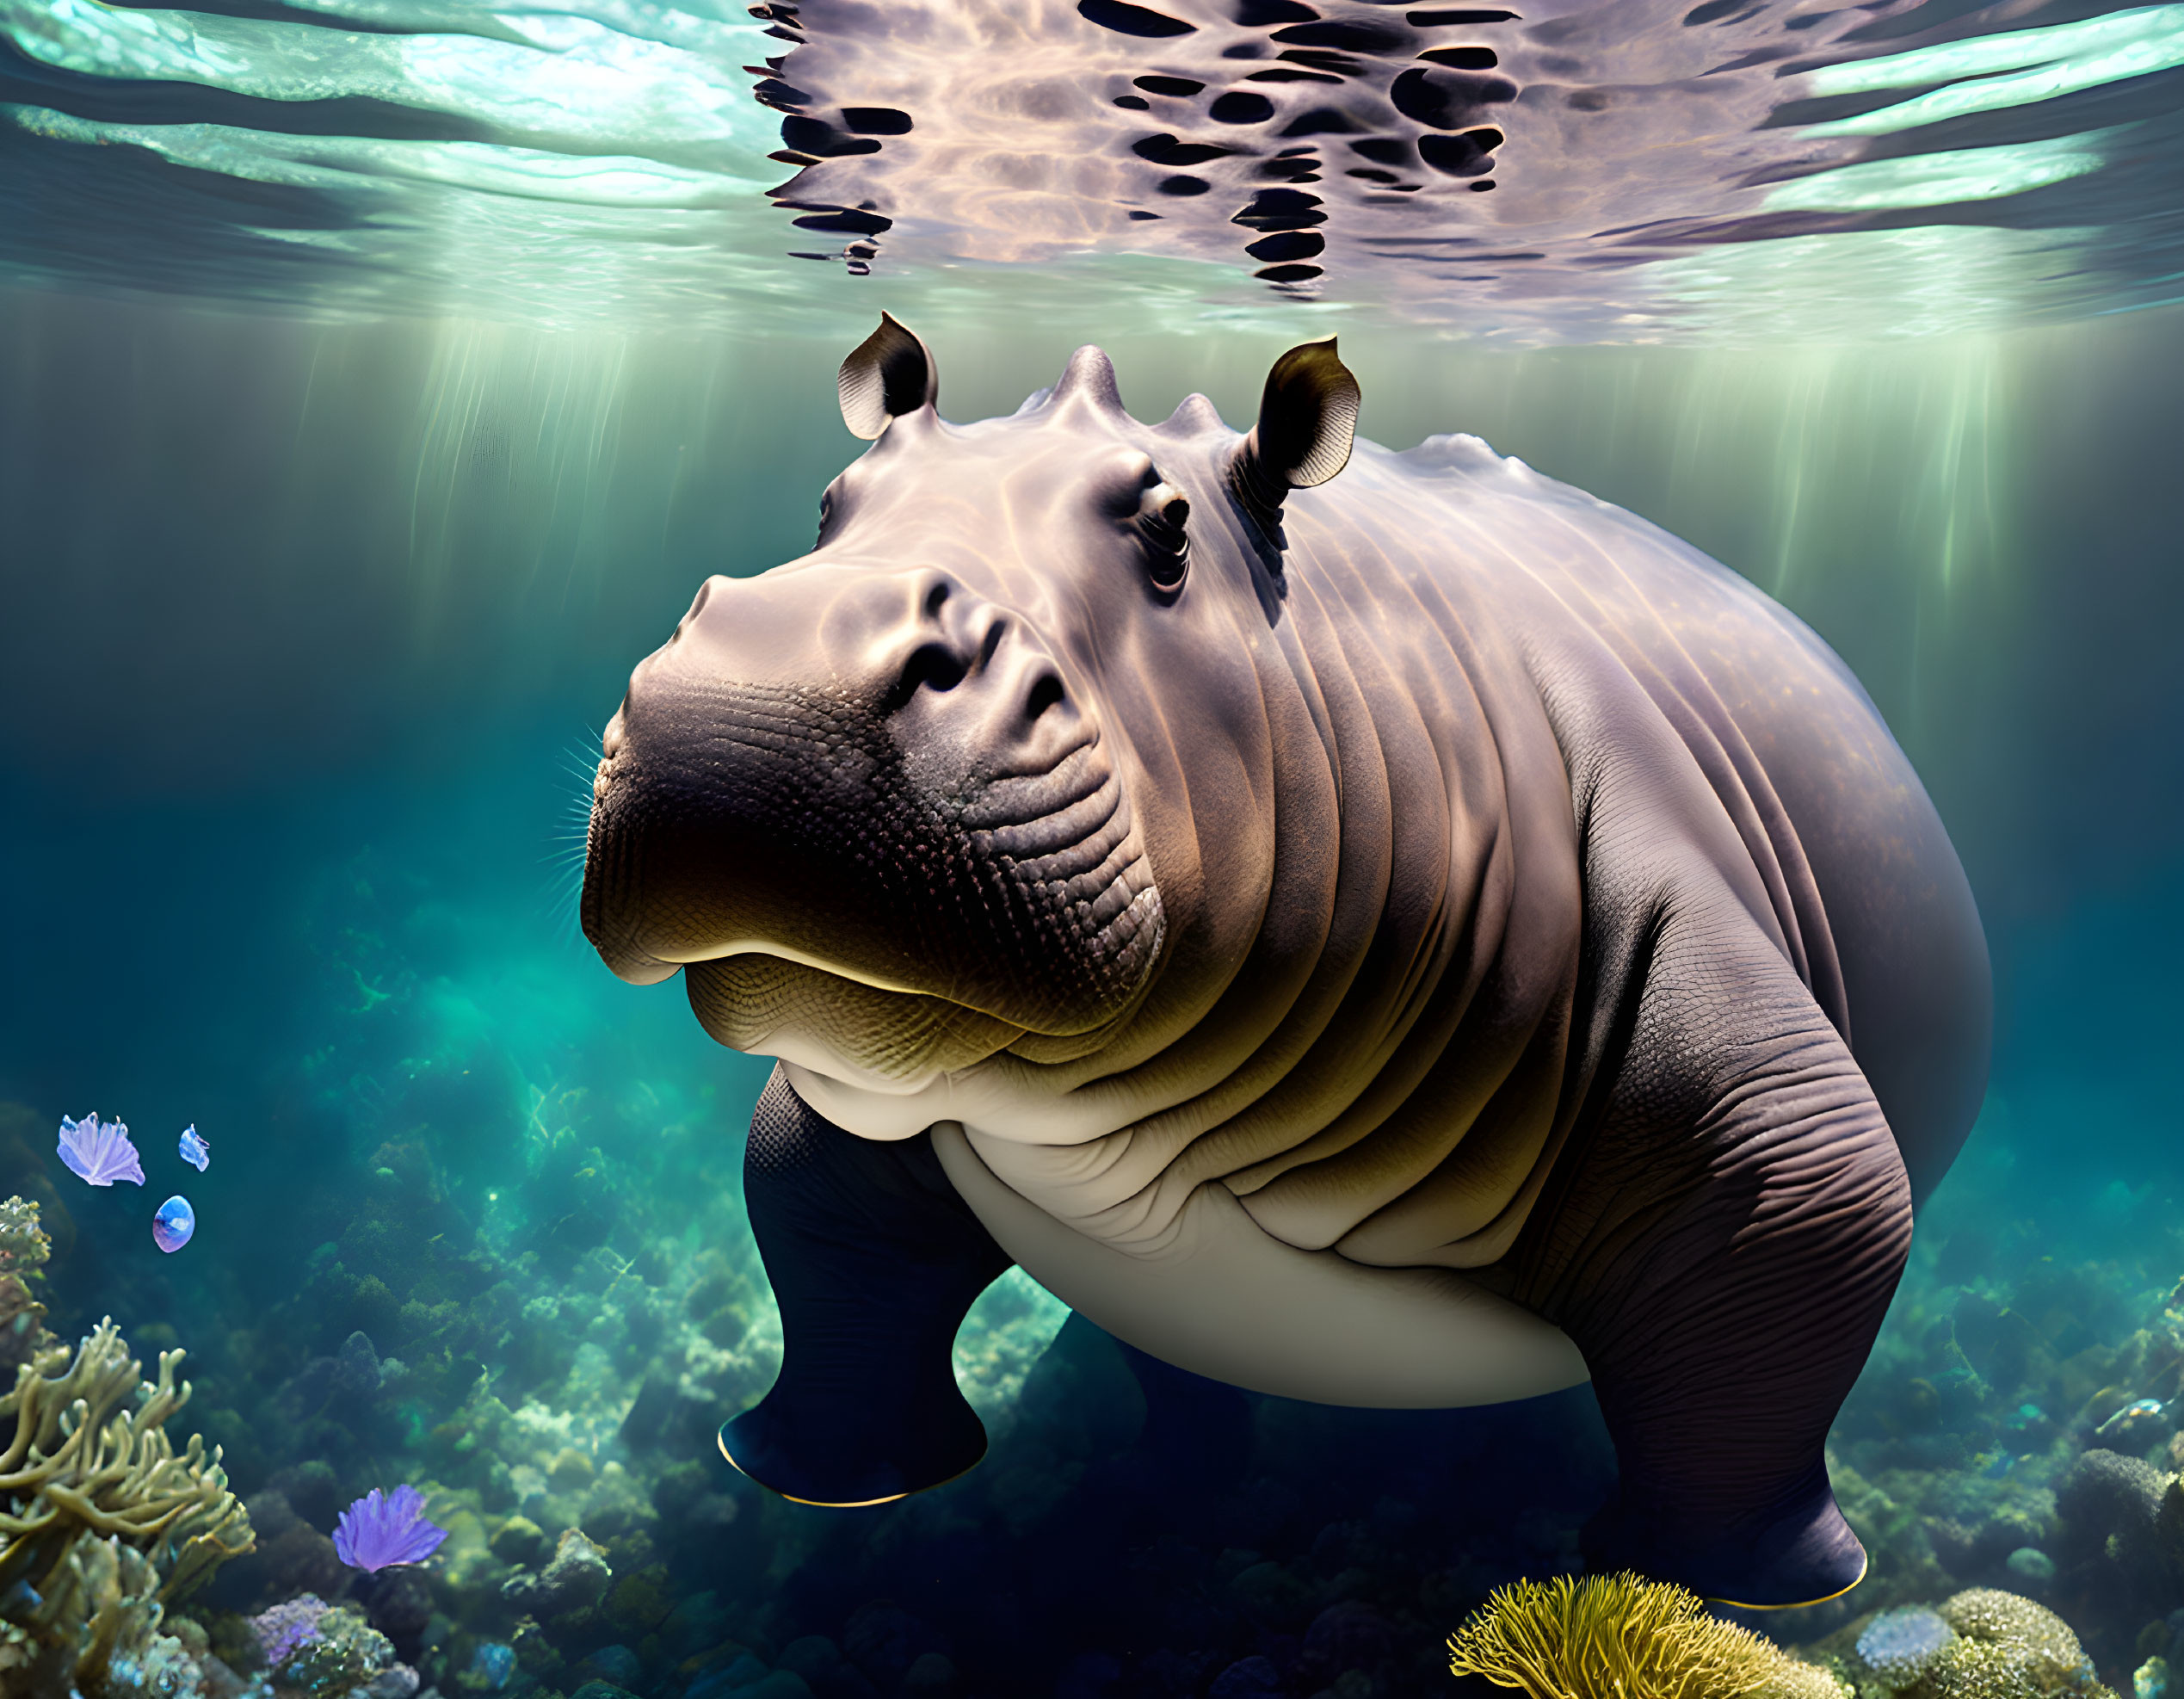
<point x="961" y="780"/>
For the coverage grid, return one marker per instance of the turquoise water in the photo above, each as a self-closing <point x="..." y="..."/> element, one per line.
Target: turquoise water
<point x="376" y="385"/>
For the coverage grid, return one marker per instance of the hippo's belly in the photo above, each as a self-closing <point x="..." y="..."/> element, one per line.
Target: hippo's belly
<point x="1183" y="1270"/>
<point x="1220" y="1296"/>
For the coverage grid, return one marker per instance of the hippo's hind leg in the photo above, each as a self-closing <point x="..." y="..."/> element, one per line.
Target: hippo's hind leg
<point x="874" y="1260"/>
<point x="1724" y="1250"/>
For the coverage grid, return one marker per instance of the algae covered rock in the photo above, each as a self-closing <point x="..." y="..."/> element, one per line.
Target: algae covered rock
<point x="518" y="1540"/>
<point x="575" y="1577"/>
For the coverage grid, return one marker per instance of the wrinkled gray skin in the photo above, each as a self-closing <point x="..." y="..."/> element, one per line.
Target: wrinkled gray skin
<point x="1441" y="937"/>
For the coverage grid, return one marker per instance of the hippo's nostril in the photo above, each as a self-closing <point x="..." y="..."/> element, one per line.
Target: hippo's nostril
<point x="936" y="598"/>
<point x="1046" y="692"/>
<point x="934" y="664"/>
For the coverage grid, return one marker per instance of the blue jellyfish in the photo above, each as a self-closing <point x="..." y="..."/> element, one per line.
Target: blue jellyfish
<point x="174" y="1224"/>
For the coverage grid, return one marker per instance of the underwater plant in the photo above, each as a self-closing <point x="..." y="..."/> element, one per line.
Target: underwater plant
<point x="1621" y="1634"/>
<point x="384" y="1529"/>
<point x="102" y="1521"/>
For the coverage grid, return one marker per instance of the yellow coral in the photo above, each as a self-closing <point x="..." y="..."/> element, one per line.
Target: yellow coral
<point x="1619" y="1637"/>
<point x="80" y="1463"/>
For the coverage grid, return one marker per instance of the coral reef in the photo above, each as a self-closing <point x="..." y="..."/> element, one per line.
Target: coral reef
<point x="82" y="1462"/>
<point x="342" y="1650"/>
<point x="1623" y="1634"/>
<point x="1981" y="1644"/>
<point x="2018" y="1430"/>
<point x="102" y="1521"/>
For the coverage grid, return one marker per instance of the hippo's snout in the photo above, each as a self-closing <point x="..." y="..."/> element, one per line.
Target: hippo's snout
<point x="957" y="678"/>
<point x="883" y="776"/>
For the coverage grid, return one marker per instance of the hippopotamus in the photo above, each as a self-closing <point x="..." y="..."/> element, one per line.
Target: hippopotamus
<point x="1383" y="929"/>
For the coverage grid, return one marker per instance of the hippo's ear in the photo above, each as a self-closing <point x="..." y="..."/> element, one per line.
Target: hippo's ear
<point x="886" y="375"/>
<point x="1307" y="419"/>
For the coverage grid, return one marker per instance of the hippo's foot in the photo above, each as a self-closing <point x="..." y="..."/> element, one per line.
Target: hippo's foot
<point x="833" y="1445"/>
<point x="874" y="1260"/>
<point x="1801" y="1552"/>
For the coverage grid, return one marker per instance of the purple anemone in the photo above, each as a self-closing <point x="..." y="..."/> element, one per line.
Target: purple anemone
<point x="99" y="1151"/>
<point x="381" y="1528"/>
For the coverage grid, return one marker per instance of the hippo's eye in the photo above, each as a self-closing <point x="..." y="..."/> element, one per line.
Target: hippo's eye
<point x="1161" y="517"/>
<point x="826" y="510"/>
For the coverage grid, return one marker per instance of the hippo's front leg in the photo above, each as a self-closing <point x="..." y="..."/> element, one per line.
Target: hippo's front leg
<point x="874" y="1261"/>
<point x="1723" y="1253"/>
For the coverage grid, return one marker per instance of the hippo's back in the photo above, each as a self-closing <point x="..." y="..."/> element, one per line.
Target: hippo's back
<point x="1605" y="611"/>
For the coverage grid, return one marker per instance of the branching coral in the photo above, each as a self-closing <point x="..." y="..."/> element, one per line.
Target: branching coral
<point x="93" y="1629"/>
<point x="101" y="1519"/>
<point x="1617" y="1634"/>
<point x="81" y="1461"/>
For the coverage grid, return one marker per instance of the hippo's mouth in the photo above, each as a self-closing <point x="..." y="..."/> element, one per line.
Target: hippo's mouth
<point x="832" y="897"/>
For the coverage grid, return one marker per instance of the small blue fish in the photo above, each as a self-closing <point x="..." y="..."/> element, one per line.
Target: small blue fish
<point x="172" y="1227"/>
<point x="196" y="1151"/>
<point x="2144" y="1406"/>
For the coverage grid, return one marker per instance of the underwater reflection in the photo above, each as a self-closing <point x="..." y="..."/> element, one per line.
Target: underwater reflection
<point x="1617" y="171"/>
<point x="1357" y="142"/>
